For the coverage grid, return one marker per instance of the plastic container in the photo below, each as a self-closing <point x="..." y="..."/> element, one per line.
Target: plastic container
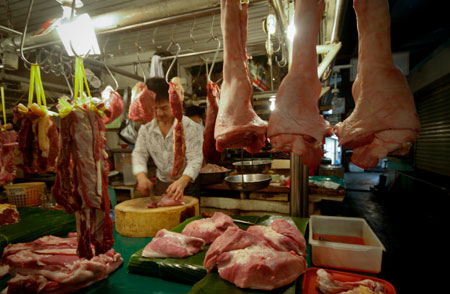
<point x="120" y="158"/>
<point x="129" y="178"/>
<point x="326" y="237"/>
<point x="25" y="194"/>
<point x="309" y="285"/>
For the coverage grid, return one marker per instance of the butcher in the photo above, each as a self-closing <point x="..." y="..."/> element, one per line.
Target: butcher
<point x="155" y="139"/>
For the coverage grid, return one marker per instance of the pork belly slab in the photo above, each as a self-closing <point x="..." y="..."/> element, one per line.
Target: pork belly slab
<point x="50" y="265"/>
<point x="172" y="244"/>
<point x="281" y="235"/>
<point x="384" y="119"/>
<point x="248" y="261"/>
<point x="296" y="124"/>
<point x="209" y="229"/>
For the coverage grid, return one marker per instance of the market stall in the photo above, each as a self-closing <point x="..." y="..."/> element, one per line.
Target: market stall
<point x="197" y="146"/>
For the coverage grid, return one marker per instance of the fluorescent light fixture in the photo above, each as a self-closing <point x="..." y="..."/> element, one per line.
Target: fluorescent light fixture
<point x="78" y="33"/>
<point x="291" y="30"/>
<point x="271" y="23"/>
<point x="272" y="103"/>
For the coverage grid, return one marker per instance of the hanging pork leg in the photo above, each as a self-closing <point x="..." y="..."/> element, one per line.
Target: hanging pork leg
<point x="385" y="118"/>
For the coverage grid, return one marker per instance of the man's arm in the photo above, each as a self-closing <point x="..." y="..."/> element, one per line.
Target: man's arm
<point x="139" y="159"/>
<point x="194" y="150"/>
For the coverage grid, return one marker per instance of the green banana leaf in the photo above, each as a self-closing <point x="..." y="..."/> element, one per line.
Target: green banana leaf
<point x="190" y="270"/>
<point x="34" y="223"/>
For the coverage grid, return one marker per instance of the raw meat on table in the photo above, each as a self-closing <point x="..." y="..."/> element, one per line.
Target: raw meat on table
<point x="281" y="235"/>
<point x="210" y="154"/>
<point x="237" y="124"/>
<point x="209" y="228"/>
<point x="8" y="145"/>
<point x="172" y="244"/>
<point x="176" y="97"/>
<point x="296" y="124"/>
<point x="81" y="183"/>
<point x="142" y="107"/>
<point x="8" y="214"/>
<point x="384" y="119"/>
<point x="113" y="104"/>
<point x="50" y="265"/>
<point x="165" y="201"/>
<point x="248" y="261"/>
<point x="328" y="284"/>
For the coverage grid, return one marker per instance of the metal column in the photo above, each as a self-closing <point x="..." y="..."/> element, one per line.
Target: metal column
<point x="299" y="187"/>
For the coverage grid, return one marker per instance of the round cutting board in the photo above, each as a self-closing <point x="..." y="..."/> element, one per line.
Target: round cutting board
<point x="134" y="219"/>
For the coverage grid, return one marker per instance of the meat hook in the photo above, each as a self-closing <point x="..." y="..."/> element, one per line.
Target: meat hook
<point x="172" y="42"/>
<point x="107" y="67"/>
<point x="191" y="32"/>
<point x="24" y="34"/>
<point x="173" y="62"/>
<point x="214" y="59"/>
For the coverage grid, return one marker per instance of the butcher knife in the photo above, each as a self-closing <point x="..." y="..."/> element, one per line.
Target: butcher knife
<point x="152" y="196"/>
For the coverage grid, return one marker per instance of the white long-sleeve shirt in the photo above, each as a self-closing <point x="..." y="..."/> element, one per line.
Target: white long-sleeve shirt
<point x="150" y="142"/>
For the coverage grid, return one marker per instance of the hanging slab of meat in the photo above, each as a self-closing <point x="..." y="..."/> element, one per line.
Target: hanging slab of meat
<point x="113" y="104"/>
<point x="281" y="235"/>
<point x="38" y="139"/>
<point x="176" y="97"/>
<point x="81" y="184"/>
<point x="210" y="154"/>
<point x="50" y="265"/>
<point x="210" y="228"/>
<point x="328" y="284"/>
<point x="237" y="124"/>
<point x="142" y="107"/>
<point x="296" y="124"/>
<point x="171" y="244"/>
<point x="8" y="145"/>
<point x="248" y="261"/>
<point x="8" y="214"/>
<point x="384" y="119"/>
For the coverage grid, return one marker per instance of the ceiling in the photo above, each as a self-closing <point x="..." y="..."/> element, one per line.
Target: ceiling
<point x="417" y="26"/>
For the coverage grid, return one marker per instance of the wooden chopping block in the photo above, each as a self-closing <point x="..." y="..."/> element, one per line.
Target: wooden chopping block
<point x="134" y="219"/>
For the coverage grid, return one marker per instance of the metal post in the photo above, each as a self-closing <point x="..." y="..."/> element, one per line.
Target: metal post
<point x="299" y="187"/>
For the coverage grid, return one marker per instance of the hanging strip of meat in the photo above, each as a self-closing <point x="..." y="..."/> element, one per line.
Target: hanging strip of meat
<point x="82" y="161"/>
<point x="176" y="97"/>
<point x="8" y="145"/>
<point x="142" y="107"/>
<point x="113" y="104"/>
<point x="296" y="124"/>
<point x="384" y="119"/>
<point x="210" y="154"/>
<point x="237" y="124"/>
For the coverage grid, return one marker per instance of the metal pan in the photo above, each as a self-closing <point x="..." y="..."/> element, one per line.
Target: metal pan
<point x="248" y="182"/>
<point x="212" y="178"/>
<point x="252" y="166"/>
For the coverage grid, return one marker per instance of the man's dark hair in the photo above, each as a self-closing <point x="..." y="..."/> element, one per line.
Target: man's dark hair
<point x="193" y="110"/>
<point x="160" y="87"/>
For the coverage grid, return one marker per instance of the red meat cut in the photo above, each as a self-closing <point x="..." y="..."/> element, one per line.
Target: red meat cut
<point x="296" y="124"/>
<point x="384" y="119"/>
<point x="172" y="244"/>
<point x="81" y="183"/>
<point x="113" y="104"/>
<point x="237" y="124"/>
<point x="8" y="145"/>
<point x="176" y="96"/>
<point x="210" y="154"/>
<point x="142" y="107"/>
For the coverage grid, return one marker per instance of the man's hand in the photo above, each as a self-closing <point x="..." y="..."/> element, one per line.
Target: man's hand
<point x="144" y="185"/>
<point x="176" y="189"/>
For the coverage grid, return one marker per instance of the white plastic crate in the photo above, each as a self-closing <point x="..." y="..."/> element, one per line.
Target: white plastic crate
<point x="354" y="257"/>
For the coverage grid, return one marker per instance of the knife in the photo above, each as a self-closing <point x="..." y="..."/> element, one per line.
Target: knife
<point x="152" y="195"/>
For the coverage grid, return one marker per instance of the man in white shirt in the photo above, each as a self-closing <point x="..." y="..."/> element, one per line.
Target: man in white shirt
<point x="155" y="139"/>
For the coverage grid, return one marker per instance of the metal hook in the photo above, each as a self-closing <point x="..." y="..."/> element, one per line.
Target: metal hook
<point x="107" y="67"/>
<point x="191" y="33"/>
<point x="211" y="30"/>
<point x="214" y="59"/>
<point x="173" y="62"/>
<point x="172" y="42"/>
<point x="24" y="34"/>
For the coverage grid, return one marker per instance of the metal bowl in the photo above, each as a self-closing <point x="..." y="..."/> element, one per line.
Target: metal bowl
<point x="252" y="166"/>
<point x="212" y="178"/>
<point x="248" y="182"/>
